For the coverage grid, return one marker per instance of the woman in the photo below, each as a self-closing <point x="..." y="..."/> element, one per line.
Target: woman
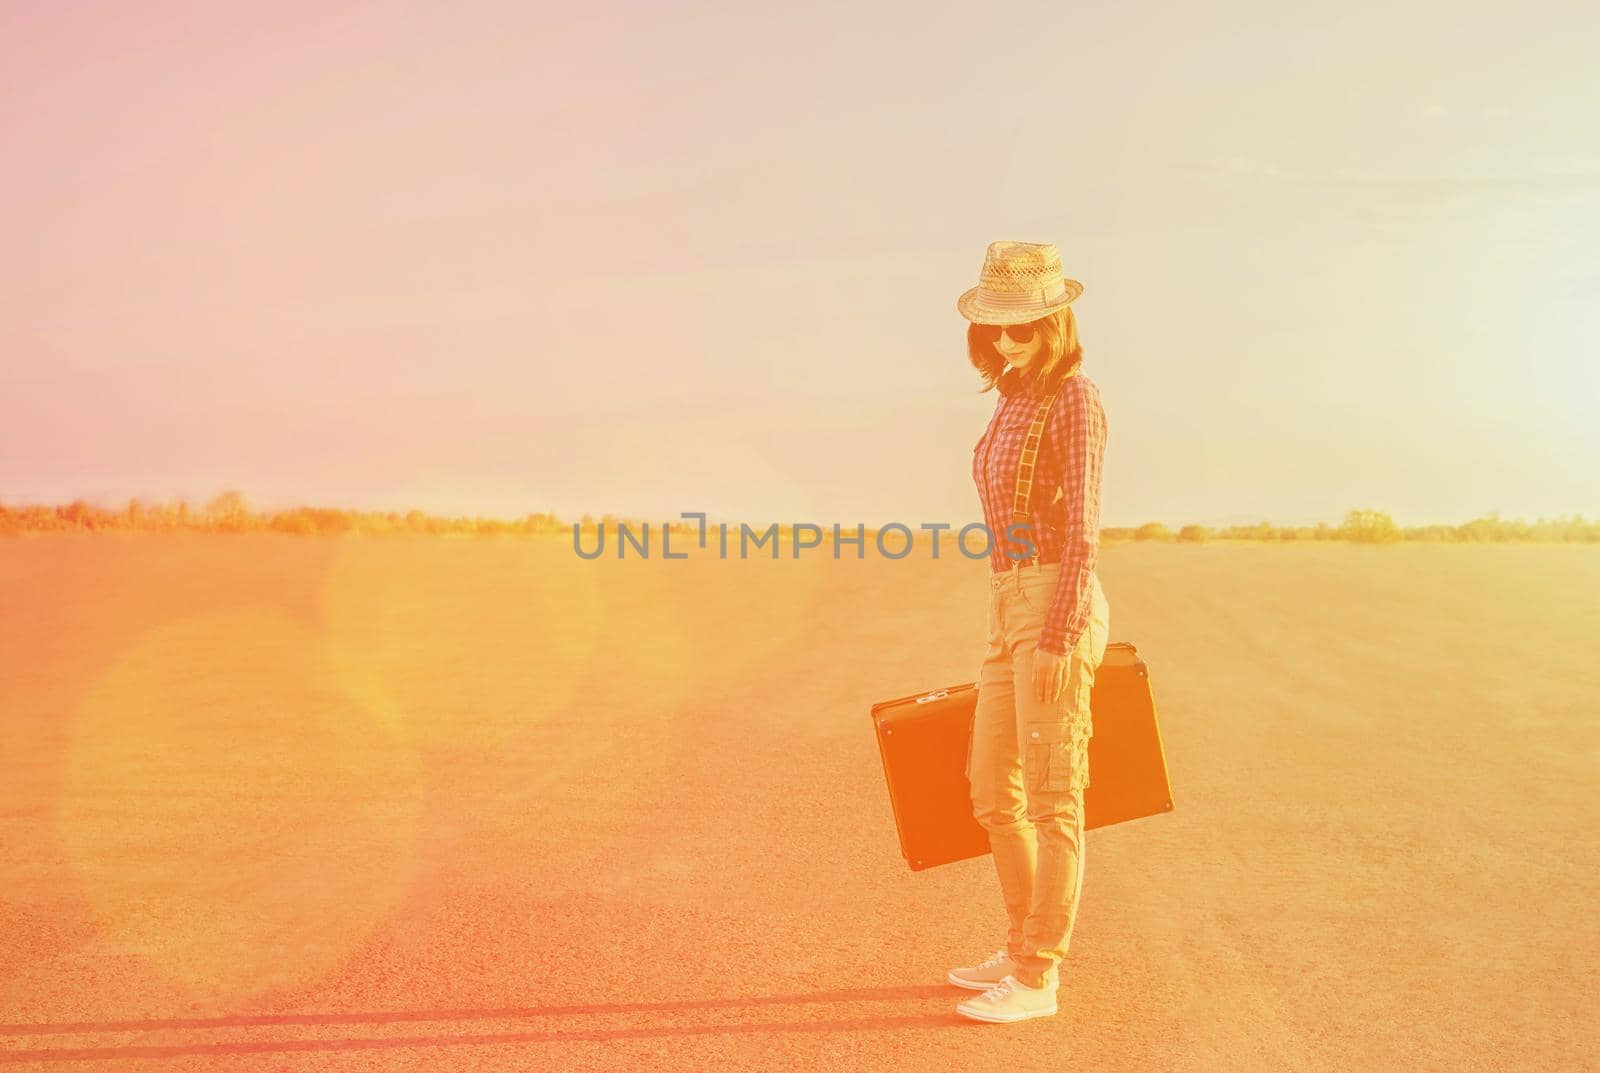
<point x="1037" y="468"/>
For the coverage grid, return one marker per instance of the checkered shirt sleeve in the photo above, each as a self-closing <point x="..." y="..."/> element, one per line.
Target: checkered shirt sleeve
<point x="1078" y="426"/>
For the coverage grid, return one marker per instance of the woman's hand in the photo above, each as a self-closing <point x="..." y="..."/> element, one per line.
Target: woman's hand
<point x="1049" y="675"/>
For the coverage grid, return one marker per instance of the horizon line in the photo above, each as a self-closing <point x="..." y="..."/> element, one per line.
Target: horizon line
<point x="241" y="504"/>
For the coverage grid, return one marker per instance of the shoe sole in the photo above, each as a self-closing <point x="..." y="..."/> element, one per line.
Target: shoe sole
<point x="970" y="985"/>
<point x="992" y="1019"/>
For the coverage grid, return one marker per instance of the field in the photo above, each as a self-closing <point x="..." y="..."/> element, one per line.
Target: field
<point x="270" y="802"/>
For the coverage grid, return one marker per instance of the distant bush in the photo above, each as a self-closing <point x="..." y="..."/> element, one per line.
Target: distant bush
<point x="1152" y="531"/>
<point x="1370" y="527"/>
<point x="228" y="513"/>
<point x="1193" y="534"/>
<point x="80" y="515"/>
<point x="293" y="522"/>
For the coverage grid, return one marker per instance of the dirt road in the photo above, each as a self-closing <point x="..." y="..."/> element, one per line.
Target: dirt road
<point x="305" y="804"/>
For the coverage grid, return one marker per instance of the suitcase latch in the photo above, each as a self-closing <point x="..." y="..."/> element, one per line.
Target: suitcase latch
<point x="938" y="695"/>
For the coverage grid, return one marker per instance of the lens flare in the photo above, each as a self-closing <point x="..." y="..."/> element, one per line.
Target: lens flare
<point x="461" y="643"/>
<point x="236" y="819"/>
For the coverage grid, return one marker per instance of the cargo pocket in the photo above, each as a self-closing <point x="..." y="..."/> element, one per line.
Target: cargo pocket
<point x="1052" y="757"/>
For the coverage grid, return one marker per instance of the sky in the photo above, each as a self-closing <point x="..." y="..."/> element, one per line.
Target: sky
<point x="498" y="258"/>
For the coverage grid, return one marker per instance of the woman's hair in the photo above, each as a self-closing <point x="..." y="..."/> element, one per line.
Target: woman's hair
<point x="1062" y="354"/>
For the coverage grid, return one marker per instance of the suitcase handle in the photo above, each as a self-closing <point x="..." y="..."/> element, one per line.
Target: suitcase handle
<point x="936" y="695"/>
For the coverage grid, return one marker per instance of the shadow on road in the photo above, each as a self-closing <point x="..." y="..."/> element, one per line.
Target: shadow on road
<point x="853" y="995"/>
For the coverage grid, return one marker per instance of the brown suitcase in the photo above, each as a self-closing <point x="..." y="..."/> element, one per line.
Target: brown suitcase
<point x="923" y="740"/>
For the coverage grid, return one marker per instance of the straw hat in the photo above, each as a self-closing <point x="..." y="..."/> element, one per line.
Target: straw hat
<point x="1020" y="281"/>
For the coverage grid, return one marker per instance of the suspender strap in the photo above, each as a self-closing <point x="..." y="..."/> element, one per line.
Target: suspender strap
<point x="1030" y="453"/>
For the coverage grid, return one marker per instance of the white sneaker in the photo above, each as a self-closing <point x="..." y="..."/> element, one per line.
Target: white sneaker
<point x="984" y="976"/>
<point x="1009" y="1001"/>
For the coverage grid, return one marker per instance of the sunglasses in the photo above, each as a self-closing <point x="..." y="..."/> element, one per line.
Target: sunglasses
<point x="1019" y="333"/>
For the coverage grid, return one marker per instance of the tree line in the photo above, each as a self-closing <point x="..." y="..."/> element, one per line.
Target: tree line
<point x="230" y="513"/>
<point x="1376" y="527"/>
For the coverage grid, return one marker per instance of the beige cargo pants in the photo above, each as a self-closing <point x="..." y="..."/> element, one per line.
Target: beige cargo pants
<point x="1028" y="765"/>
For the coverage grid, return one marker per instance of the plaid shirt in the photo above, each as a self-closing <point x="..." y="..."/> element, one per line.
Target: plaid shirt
<point x="1066" y="530"/>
